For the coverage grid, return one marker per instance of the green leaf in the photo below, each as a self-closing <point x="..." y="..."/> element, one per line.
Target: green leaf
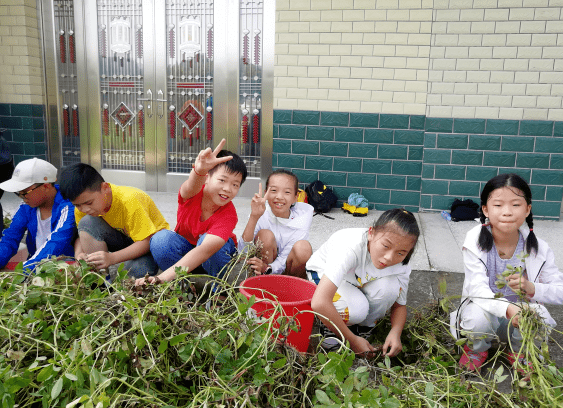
<point x="140" y="341"/>
<point x="45" y="373"/>
<point x="461" y="341"/>
<point x="348" y="385"/>
<point x="177" y="339"/>
<point x="86" y="347"/>
<point x="163" y="346"/>
<point x="387" y="362"/>
<point x="322" y="397"/>
<point x="280" y="363"/>
<point x="391" y="403"/>
<point x="500" y="284"/>
<point x="429" y="390"/>
<point x="71" y="377"/>
<point x="57" y="388"/>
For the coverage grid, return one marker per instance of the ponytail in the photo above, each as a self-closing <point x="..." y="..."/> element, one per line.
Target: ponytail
<point x="532" y="240"/>
<point x="485" y="237"/>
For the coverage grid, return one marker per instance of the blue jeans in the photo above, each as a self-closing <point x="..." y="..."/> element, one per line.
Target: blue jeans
<point x="168" y="247"/>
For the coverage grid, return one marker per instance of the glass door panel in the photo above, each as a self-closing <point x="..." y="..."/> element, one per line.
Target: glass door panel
<point x="121" y="76"/>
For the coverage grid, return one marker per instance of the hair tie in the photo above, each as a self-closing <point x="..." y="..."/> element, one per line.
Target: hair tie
<point x="531" y="229"/>
<point x="486" y="224"/>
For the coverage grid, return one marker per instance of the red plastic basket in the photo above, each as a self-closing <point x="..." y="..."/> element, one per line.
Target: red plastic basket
<point x="293" y="294"/>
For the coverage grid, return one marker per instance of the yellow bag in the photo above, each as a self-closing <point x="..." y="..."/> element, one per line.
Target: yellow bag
<point x="301" y="196"/>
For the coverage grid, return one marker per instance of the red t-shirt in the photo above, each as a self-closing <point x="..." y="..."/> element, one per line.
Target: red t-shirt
<point x="189" y="224"/>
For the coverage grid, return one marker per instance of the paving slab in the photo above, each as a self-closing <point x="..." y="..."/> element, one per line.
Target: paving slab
<point x="444" y="253"/>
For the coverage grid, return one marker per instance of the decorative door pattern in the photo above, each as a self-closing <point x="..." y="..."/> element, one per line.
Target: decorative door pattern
<point x="250" y="83"/>
<point x="120" y="41"/>
<point x="189" y="26"/>
<point x="148" y="88"/>
<point x="67" y="81"/>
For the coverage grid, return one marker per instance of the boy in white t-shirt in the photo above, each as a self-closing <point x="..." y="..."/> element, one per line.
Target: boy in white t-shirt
<point x="46" y="216"/>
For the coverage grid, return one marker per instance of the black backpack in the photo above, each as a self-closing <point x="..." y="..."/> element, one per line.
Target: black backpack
<point x="466" y="210"/>
<point x="321" y="197"/>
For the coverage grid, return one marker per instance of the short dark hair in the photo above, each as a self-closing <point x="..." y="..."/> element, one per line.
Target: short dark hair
<point x="284" y="172"/>
<point x="398" y="219"/>
<point x="509" y="180"/>
<point x="234" y="166"/>
<point x="77" y="178"/>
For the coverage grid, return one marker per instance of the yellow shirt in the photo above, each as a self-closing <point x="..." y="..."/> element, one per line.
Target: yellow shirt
<point x="132" y="212"/>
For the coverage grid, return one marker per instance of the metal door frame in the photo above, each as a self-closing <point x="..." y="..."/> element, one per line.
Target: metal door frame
<point x="226" y="123"/>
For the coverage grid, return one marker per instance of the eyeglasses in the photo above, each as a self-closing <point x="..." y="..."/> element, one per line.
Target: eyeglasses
<point x="24" y="194"/>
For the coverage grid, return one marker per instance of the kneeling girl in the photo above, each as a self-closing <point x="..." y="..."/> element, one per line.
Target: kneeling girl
<point x="360" y="274"/>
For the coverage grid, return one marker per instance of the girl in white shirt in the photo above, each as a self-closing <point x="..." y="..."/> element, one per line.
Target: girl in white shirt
<point x="281" y="225"/>
<point x="506" y="203"/>
<point x="360" y="274"/>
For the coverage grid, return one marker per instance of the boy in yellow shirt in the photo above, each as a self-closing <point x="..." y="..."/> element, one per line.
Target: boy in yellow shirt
<point x="115" y="223"/>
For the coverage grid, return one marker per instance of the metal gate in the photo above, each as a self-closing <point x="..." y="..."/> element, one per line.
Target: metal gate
<point x="138" y="87"/>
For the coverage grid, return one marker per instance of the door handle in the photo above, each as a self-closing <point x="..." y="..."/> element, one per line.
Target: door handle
<point x="149" y="105"/>
<point x="160" y="99"/>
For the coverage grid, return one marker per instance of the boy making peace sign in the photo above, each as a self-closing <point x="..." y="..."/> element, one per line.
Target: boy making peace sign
<point x="206" y="217"/>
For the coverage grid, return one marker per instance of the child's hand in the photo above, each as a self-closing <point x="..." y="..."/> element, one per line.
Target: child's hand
<point x="258" y="203"/>
<point x="207" y="159"/>
<point x="100" y="259"/>
<point x="258" y="265"/>
<point x="517" y="282"/>
<point x="513" y="312"/>
<point x="151" y="279"/>
<point x="394" y="343"/>
<point x="359" y="345"/>
<point x="80" y="256"/>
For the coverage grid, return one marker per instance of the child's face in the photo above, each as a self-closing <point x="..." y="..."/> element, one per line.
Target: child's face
<point x="281" y="194"/>
<point x="94" y="203"/>
<point x="222" y="186"/>
<point x="506" y="209"/>
<point x="388" y="248"/>
<point x="34" y="196"/>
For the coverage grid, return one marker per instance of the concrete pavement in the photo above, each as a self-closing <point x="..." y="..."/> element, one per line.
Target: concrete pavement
<point x="438" y="249"/>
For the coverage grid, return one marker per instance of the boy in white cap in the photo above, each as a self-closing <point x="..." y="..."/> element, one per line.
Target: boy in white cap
<point x="46" y="216"/>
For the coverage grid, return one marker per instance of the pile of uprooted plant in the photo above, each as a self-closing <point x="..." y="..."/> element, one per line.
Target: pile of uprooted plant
<point x="69" y="340"/>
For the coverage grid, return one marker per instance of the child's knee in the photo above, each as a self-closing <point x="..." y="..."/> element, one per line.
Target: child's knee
<point x="476" y="320"/>
<point x="302" y="251"/>
<point x="358" y="310"/>
<point x="160" y="240"/>
<point x="383" y="289"/>
<point x="88" y="223"/>
<point x="265" y="236"/>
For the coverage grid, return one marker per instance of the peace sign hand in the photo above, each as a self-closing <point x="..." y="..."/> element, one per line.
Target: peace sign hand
<point x="207" y="159"/>
<point x="258" y="203"/>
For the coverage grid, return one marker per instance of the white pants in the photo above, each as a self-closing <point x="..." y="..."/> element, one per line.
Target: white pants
<point x="366" y="305"/>
<point x="482" y="327"/>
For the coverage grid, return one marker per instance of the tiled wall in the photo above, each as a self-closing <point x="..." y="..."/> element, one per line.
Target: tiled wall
<point x="24" y="130"/>
<point x="418" y="162"/>
<point x="20" y="53"/>
<point x="353" y="55"/>
<point x="491" y="59"/>
<point x="461" y="155"/>
<point x="498" y="59"/>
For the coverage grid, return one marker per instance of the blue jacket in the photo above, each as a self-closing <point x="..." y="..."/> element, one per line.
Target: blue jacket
<point x="60" y="242"/>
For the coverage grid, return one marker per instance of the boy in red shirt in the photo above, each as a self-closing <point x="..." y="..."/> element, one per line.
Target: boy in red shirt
<point x="206" y="217"/>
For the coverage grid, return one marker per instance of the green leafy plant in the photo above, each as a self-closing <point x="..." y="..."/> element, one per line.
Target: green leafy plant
<point x="69" y="340"/>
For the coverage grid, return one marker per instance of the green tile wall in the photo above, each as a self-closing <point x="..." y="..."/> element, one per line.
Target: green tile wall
<point x="419" y="162"/>
<point x="23" y="127"/>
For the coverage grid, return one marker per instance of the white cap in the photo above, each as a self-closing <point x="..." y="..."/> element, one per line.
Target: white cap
<point x="28" y="173"/>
